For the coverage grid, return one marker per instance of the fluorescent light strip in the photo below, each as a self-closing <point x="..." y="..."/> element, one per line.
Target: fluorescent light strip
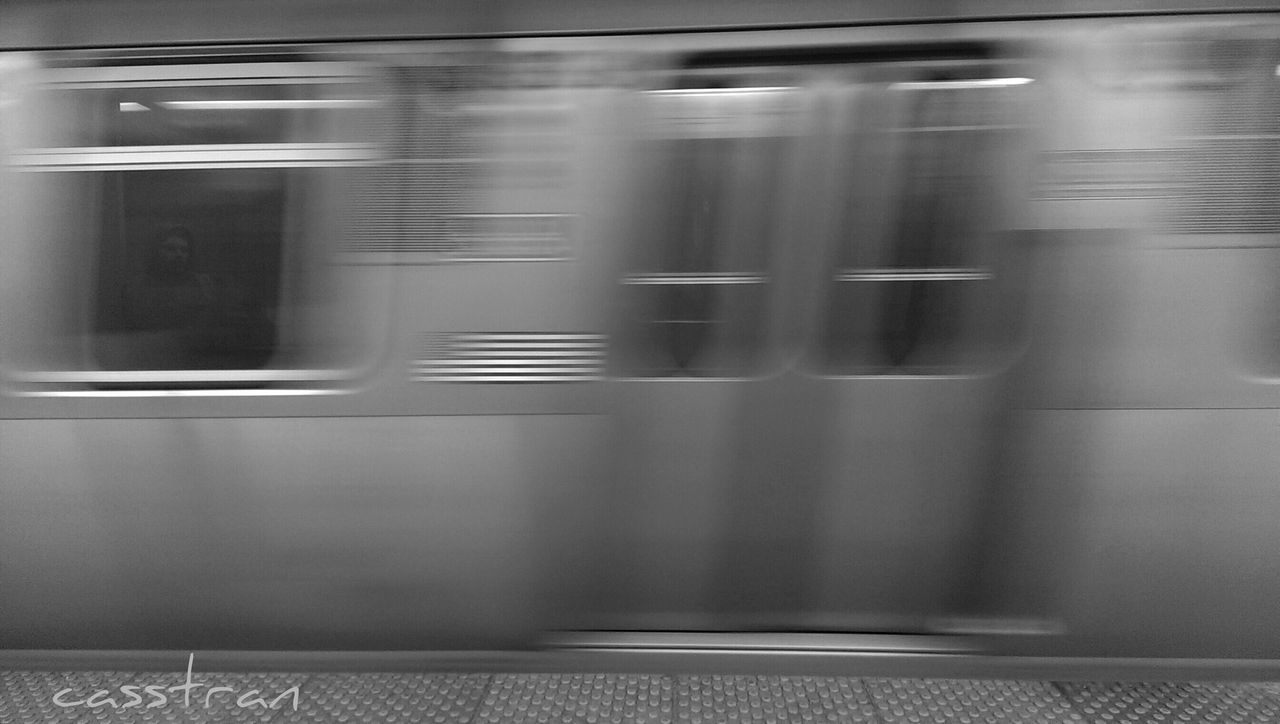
<point x="720" y="91"/>
<point x="947" y="84"/>
<point x="267" y="105"/>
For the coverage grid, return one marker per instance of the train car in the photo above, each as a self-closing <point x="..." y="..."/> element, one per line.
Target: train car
<point x="908" y="328"/>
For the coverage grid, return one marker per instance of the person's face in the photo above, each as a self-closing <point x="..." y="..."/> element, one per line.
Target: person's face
<point x="174" y="253"/>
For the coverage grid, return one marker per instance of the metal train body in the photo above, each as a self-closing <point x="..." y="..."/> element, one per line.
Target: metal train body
<point x="951" y="324"/>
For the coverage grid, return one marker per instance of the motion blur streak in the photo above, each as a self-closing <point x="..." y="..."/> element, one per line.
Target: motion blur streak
<point x="445" y="328"/>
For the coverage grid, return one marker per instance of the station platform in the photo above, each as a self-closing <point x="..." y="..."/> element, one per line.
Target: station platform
<point x="84" y="697"/>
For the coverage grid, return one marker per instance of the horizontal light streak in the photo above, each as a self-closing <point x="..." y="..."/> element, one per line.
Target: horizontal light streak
<point x="178" y="376"/>
<point x="679" y="279"/>
<point x="914" y="275"/>
<point x="258" y="105"/>
<point x="960" y="84"/>
<point x="243" y="155"/>
<point x="720" y="91"/>
<point x="511" y="357"/>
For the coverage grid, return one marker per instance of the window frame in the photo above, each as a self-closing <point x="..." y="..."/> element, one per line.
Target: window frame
<point x="83" y="374"/>
<point x="748" y="105"/>
<point x="975" y="356"/>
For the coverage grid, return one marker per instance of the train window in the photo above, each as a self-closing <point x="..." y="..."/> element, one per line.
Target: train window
<point x="212" y="206"/>
<point x="918" y="239"/>
<point x="714" y="158"/>
<point x="189" y="269"/>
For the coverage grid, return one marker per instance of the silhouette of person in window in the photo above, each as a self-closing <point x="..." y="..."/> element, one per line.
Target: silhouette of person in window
<point x="184" y="317"/>
<point x="168" y="302"/>
<point x="170" y="295"/>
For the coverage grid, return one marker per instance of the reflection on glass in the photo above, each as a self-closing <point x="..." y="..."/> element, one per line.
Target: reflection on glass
<point x="189" y="269"/>
<point x="702" y="245"/>
<point x="912" y="262"/>
<point x="938" y="219"/>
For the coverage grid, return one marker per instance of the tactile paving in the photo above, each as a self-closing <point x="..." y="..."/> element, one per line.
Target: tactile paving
<point x="1114" y="703"/>
<point x="391" y="698"/>
<point x="1265" y="687"/>
<point x="928" y="701"/>
<point x="722" y="699"/>
<point x="28" y="697"/>
<point x="588" y="698"/>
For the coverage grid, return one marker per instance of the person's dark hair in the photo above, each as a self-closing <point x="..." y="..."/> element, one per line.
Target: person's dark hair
<point x="181" y="232"/>
<point x="156" y="265"/>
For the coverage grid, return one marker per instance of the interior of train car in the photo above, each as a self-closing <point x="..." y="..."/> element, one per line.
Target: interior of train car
<point x="839" y="340"/>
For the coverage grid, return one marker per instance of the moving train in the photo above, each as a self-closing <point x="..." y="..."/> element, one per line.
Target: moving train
<point x="387" y="326"/>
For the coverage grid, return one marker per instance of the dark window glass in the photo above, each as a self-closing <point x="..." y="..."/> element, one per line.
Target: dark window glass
<point x="915" y="252"/>
<point x="718" y="197"/>
<point x="189" y="269"/>
<point x="186" y="216"/>
<point x="708" y="201"/>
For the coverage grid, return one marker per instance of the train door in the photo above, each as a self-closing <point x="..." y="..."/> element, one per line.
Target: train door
<point x="813" y="313"/>
<point x="715" y="155"/>
<point x="919" y="325"/>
